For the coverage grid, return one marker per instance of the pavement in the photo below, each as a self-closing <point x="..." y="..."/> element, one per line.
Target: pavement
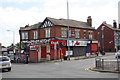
<point x="101" y="70"/>
<point x="78" y="58"/>
<point x="85" y="57"/>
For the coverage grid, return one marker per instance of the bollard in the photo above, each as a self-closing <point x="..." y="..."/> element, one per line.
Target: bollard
<point x="103" y="64"/>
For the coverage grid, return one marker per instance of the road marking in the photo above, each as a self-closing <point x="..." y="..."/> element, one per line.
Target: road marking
<point x="88" y="69"/>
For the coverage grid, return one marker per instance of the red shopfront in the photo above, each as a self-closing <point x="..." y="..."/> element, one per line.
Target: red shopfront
<point x="94" y="47"/>
<point x="55" y="51"/>
<point x="40" y="53"/>
<point x="33" y="57"/>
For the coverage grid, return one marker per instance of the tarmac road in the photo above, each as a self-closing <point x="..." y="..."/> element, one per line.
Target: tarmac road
<point x="65" y="69"/>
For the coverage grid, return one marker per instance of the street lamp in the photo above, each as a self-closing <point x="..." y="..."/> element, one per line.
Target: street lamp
<point x="102" y="39"/>
<point x="13" y="42"/>
<point x="68" y="30"/>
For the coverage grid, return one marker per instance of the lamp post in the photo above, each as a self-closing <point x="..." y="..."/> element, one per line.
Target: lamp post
<point x="103" y="39"/>
<point x="68" y="30"/>
<point x="13" y="43"/>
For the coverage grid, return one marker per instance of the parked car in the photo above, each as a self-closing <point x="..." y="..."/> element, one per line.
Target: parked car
<point x="117" y="54"/>
<point x="5" y="63"/>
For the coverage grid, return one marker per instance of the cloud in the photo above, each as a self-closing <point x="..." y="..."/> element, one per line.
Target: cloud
<point x="19" y="1"/>
<point x="15" y="17"/>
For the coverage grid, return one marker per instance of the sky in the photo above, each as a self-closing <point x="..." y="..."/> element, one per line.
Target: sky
<point x="18" y="13"/>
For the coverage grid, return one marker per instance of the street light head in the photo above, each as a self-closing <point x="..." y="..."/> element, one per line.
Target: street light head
<point x="8" y="30"/>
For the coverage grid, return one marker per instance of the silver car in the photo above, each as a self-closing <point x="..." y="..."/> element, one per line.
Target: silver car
<point x="5" y="63"/>
<point x="117" y="54"/>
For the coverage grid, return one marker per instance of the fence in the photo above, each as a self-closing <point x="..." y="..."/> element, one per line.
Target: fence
<point x="108" y="64"/>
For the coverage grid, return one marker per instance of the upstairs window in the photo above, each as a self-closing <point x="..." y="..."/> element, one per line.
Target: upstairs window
<point x="84" y="34"/>
<point x="90" y="35"/>
<point x="64" y="32"/>
<point x="77" y="33"/>
<point x="47" y="32"/>
<point x="24" y="35"/>
<point x="35" y="33"/>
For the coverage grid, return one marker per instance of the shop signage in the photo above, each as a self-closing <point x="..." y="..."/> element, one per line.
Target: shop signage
<point x="70" y="53"/>
<point x="52" y="42"/>
<point x="76" y="43"/>
<point x="94" y="41"/>
<point x="34" y="47"/>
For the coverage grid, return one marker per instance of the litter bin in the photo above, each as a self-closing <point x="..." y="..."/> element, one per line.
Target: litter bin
<point x="65" y="57"/>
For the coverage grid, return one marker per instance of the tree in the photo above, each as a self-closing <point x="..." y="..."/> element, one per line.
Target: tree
<point x="17" y="45"/>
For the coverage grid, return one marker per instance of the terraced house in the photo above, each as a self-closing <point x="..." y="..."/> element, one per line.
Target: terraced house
<point x="109" y="36"/>
<point x="50" y="39"/>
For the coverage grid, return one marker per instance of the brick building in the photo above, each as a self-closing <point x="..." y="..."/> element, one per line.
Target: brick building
<point x="108" y="36"/>
<point x="43" y="38"/>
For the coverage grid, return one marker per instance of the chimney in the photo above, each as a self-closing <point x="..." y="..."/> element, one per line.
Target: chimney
<point x="89" y="21"/>
<point x="104" y="22"/>
<point x="114" y="24"/>
<point x="27" y="26"/>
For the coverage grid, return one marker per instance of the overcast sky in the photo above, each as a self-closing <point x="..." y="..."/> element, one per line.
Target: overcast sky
<point x="18" y="13"/>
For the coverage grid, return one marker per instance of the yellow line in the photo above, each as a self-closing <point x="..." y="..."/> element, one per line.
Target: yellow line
<point x="88" y="69"/>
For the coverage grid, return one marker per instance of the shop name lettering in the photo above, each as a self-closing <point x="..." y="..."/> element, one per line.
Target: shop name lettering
<point x="52" y="42"/>
<point x="80" y="43"/>
<point x="32" y="47"/>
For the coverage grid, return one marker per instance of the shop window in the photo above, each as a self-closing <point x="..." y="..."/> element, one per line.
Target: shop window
<point x="48" y="49"/>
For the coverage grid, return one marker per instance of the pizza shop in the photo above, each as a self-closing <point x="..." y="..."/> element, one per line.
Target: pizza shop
<point x="77" y="47"/>
<point x="80" y="48"/>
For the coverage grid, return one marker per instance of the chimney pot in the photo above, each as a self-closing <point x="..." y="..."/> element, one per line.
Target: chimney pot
<point x="104" y="22"/>
<point x="27" y="26"/>
<point x="114" y="24"/>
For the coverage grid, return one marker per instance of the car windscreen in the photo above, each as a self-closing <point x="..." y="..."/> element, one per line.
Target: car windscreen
<point x="4" y="59"/>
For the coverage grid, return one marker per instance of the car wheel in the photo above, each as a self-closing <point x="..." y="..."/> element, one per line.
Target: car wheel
<point x="9" y="69"/>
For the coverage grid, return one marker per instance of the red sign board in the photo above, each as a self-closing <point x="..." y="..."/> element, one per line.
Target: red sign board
<point x="52" y="42"/>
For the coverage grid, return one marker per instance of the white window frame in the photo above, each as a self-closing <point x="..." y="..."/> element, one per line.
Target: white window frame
<point x="35" y="34"/>
<point x="47" y="32"/>
<point x="77" y="33"/>
<point x="84" y="34"/>
<point x="63" y="32"/>
<point x="90" y="35"/>
<point x="24" y="35"/>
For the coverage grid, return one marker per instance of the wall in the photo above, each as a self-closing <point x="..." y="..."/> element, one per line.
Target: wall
<point x="56" y="32"/>
<point x="108" y="38"/>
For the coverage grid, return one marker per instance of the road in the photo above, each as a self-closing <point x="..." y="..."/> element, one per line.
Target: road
<point x="65" y="69"/>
